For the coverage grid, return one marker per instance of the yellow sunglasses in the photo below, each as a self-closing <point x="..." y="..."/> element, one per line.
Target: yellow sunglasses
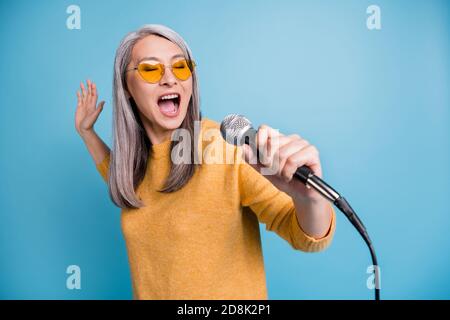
<point x="152" y="73"/>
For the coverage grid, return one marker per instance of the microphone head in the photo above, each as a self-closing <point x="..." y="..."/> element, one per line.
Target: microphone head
<point x="233" y="128"/>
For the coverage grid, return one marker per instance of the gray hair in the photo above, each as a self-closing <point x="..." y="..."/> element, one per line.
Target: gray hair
<point x="131" y="146"/>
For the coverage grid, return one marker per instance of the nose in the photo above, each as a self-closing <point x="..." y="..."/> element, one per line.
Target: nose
<point x="168" y="78"/>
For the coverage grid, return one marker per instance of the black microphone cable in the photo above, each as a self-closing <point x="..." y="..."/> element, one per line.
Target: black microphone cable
<point x="305" y="175"/>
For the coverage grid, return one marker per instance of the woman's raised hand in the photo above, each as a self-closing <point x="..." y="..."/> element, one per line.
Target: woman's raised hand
<point x="87" y="112"/>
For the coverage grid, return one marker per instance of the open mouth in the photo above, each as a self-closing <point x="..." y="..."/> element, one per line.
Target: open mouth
<point x="169" y="105"/>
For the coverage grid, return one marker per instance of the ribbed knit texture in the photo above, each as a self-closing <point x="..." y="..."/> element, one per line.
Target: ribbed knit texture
<point x="203" y="241"/>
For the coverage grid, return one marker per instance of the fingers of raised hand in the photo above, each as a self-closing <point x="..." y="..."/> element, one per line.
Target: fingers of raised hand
<point x="91" y="99"/>
<point x="83" y="92"/>
<point x="79" y="98"/>
<point x="88" y="96"/>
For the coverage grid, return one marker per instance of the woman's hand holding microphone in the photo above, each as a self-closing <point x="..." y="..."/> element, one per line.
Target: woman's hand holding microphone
<point x="281" y="155"/>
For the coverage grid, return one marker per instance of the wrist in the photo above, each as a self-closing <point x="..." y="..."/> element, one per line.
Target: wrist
<point x="86" y="134"/>
<point x="310" y="204"/>
<point x="312" y="198"/>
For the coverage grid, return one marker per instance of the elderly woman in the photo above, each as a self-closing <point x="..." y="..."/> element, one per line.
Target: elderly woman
<point x="191" y="227"/>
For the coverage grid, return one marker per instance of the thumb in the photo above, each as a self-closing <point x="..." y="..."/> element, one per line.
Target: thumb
<point x="98" y="110"/>
<point x="100" y="107"/>
<point x="248" y="154"/>
<point x="101" y="104"/>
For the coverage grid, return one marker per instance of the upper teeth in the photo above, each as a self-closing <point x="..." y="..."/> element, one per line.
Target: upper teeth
<point x="170" y="96"/>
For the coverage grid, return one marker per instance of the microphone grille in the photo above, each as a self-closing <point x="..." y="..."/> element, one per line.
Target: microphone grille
<point x="233" y="127"/>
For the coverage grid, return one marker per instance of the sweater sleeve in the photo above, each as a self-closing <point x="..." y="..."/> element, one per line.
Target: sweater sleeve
<point x="103" y="167"/>
<point x="277" y="211"/>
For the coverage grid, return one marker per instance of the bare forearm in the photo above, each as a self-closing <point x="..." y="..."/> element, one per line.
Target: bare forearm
<point x="314" y="216"/>
<point x="95" y="145"/>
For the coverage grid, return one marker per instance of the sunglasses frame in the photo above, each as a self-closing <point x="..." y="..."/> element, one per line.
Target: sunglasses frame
<point x="190" y="63"/>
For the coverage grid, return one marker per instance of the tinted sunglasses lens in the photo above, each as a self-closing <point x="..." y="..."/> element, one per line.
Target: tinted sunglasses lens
<point x="181" y="70"/>
<point x="149" y="72"/>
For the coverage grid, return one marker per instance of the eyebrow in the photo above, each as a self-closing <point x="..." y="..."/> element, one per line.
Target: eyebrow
<point x="155" y="58"/>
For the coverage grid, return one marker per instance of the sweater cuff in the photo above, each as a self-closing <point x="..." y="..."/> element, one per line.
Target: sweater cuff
<point x="307" y="243"/>
<point x="103" y="167"/>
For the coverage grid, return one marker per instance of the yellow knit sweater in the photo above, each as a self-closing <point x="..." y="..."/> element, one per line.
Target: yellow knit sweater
<point x="203" y="241"/>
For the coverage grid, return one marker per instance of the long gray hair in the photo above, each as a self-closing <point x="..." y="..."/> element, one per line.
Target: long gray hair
<point x="131" y="146"/>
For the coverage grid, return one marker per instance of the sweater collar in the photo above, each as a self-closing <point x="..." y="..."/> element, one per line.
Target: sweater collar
<point x="161" y="150"/>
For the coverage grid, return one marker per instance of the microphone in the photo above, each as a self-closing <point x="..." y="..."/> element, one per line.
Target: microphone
<point x="238" y="130"/>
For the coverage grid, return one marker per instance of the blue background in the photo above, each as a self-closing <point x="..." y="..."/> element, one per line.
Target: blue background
<point x="374" y="102"/>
